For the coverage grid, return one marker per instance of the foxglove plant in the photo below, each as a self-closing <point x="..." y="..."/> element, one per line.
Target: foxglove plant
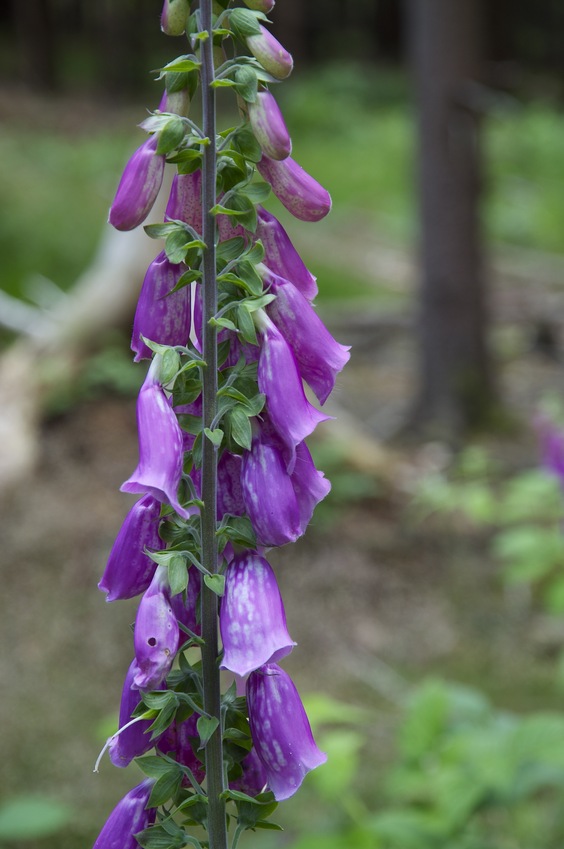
<point x="225" y="318"/>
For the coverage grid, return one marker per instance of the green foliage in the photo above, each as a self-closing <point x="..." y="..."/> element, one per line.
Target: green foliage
<point x="31" y="817"/>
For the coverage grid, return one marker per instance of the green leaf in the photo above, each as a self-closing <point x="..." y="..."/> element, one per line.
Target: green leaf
<point x="246" y="83"/>
<point x="182" y="65"/>
<point x="171" y="135"/>
<point x="230" y="249"/>
<point x="177" y="574"/>
<point x="166" y="787"/>
<point x="214" y="436"/>
<point x="239" y="530"/>
<point x="206" y="726"/>
<point x="216" y="583"/>
<point x="252" y="278"/>
<point x="185" y="279"/>
<point x="223" y="322"/>
<point x="31" y="817"/>
<point x="243" y="22"/>
<point x="169" y="366"/>
<point x="258" y="191"/>
<point x="153" y="766"/>
<point x="246" y="326"/>
<point x="158" y="837"/>
<point x="240" y="427"/>
<point x="159" y="231"/>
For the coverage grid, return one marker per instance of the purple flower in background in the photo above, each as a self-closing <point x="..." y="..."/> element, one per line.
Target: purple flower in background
<point x="552" y="446"/>
<point x="159" y="316"/>
<point x="184" y="202"/>
<point x="320" y="357"/>
<point x="134" y="741"/>
<point x="253" y="779"/>
<point x="161" y="445"/>
<point x="268" y="126"/>
<point x="185" y="605"/>
<point x="129" y="571"/>
<point x="303" y="196"/>
<point x="280" y="730"/>
<point x="138" y="187"/>
<point x="174" y="15"/>
<point x="156" y="634"/>
<point x="281" y="256"/>
<point x="128" y="818"/>
<point x="180" y="741"/>
<point x="272" y="56"/>
<point x="252" y="619"/>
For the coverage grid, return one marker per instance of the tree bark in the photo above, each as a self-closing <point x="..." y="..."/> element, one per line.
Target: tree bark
<point x="455" y="375"/>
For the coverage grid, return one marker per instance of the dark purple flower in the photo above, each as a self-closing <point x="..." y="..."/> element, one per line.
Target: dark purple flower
<point x="161" y="446"/>
<point x="229" y="492"/>
<point x="552" y="446"/>
<point x="185" y="605"/>
<point x="181" y="741"/>
<point x="139" y="186"/>
<point x="156" y="634"/>
<point x="128" y="818"/>
<point x="268" y="126"/>
<point x="134" y="740"/>
<point x="281" y="256"/>
<point x="279" y="379"/>
<point x="184" y="202"/>
<point x="320" y="357"/>
<point x="252" y="619"/>
<point x="272" y="56"/>
<point x="159" y="316"/>
<point x="129" y="570"/>
<point x="303" y="196"/>
<point x="253" y="779"/>
<point x="174" y="16"/>
<point x="310" y="485"/>
<point x="280" y="730"/>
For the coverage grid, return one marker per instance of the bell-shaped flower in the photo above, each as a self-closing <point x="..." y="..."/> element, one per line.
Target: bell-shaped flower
<point x="129" y="570"/>
<point x="138" y="187"/>
<point x="552" y="445"/>
<point x="310" y="485"/>
<point x="133" y="741"/>
<point x="229" y="491"/>
<point x="184" y="201"/>
<point x="128" y="818"/>
<point x="252" y="618"/>
<point x="174" y="16"/>
<point x="268" y="126"/>
<point x="297" y="190"/>
<point x="319" y="356"/>
<point x="253" y="779"/>
<point x="280" y="730"/>
<point x="181" y="742"/>
<point x="279" y="379"/>
<point x="281" y="256"/>
<point x="161" y="445"/>
<point x="269" y="52"/>
<point x="160" y="316"/>
<point x="156" y="634"/>
<point x="185" y="605"/>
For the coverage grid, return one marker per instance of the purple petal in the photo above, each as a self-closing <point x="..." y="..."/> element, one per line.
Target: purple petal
<point x="272" y="56"/>
<point x="185" y="605"/>
<point x="303" y="196"/>
<point x="268" y="126"/>
<point x="128" y="818"/>
<point x="161" y="447"/>
<point x="280" y="730"/>
<point x="181" y="741"/>
<point x="310" y="485"/>
<point x="320" y="357"/>
<point x="260" y="5"/>
<point x="229" y="491"/>
<point x="184" y="202"/>
<point x="129" y="570"/>
<point x="252" y="618"/>
<point x="174" y="15"/>
<point x="161" y="317"/>
<point x="156" y="634"/>
<point x="281" y="256"/>
<point x="253" y="780"/>
<point x="552" y="446"/>
<point x="139" y="186"/>
<point x="134" y="741"/>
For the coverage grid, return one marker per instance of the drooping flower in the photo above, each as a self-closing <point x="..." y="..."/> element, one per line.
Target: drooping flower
<point x="280" y="730"/>
<point x="272" y="56"/>
<point x="129" y="570"/>
<point x="181" y="741"/>
<point x="268" y="126"/>
<point x="253" y="779"/>
<point x="160" y="316"/>
<point x="185" y="605"/>
<point x="128" y="818"/>
<point x="184" y="201"/>
<point x="319" y="356"/>
<point x="156" y="634"/>
<point x="297" y="190"/>
<point x="174" y="16"/>
<point x="252" y="618"/>
<point x="134" y="740"/>
<point x="310" y="485"/>
<point x="138" y="187"/>
<point x="161" y="447"/>
<point x="281" y="256"/>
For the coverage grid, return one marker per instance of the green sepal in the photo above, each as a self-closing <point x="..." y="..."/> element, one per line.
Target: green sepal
<point x="244" y="22"/>
<point x="165" y="788"/>
<point x="240" y="427"/>
<point x="247" y="271"/>
<point x="230" y="249"/>
<point x="206" y="726"/>
<point x="251" y="811"/>
<point x="185" y="280"/>
<point x="177" y="574"/>
<point x="160" y="231"/>
<point x="214" y="436"/>
<point x="223" y="83"/>
<point x="157" y="837"/>
<point x="237" y="529"/>
<point x="258" y="191"/>
<point x="223" y="322"/>
<point x="171" y="135"/>
<point x="191" y="424"/>
<point x="215" y="583"/>
<point x="155" y="766"/>
<point x="245" y="142"/>
<point x="246" y="83"/>
<point x="246" y="325"/>
<point x="170" y="365"/>
<point x="181" y="65"/>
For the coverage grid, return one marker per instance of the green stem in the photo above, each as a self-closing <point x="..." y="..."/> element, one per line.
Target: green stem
<point x="217" y="829"/>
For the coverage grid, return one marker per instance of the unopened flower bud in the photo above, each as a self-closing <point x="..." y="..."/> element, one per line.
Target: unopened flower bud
<point x="272" y="56"/>
<point x="260" y="5"/>
<point x="128" y="818"/>
<point x="297" y="190"/>
<point x="156" y="634"/>
<point x="268" y="126"/>
<point x="138" y="187"/>
<point x="174" y="15"/>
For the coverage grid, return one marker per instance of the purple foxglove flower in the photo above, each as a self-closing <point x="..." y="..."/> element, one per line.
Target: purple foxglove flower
<point x="272" y="56"/>
<point x="552" y="446"/>
<point x="174" y="15"/>
<point x="156" y="634"/>
<point x="139" y="186"/>
<point x="281" y="256"/>
<point x="180" y="741"/>
<point x="268" y="126"/>
<point x="161" y="447"/>
<point x="175" y="101"/>
<point x="229" y="492"/>
<point x="161" y="317"/>
<point x="252" y="618"/>
<point x="303" y="196"/>
<point x="280" y="730"/>
<point x="185" y="605"/>
<point x="260" y="5"/>
<point x="279" y="379"/>
<point x="310" y="485"/>
<point x="320" y="357"/>
<point x="134" y="741"/>
<point x="184" y="202"/>
<point x="129" y="571"/>
<point x="253" y="779"/>
<point x="128" y="818"/>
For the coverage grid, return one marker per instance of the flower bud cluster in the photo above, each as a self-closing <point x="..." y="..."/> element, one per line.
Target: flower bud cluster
<point x="271" y="342"/>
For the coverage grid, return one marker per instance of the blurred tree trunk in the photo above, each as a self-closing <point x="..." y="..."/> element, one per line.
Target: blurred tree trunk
<point x="35" y="32"/>
<point x="455" y="377"/>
